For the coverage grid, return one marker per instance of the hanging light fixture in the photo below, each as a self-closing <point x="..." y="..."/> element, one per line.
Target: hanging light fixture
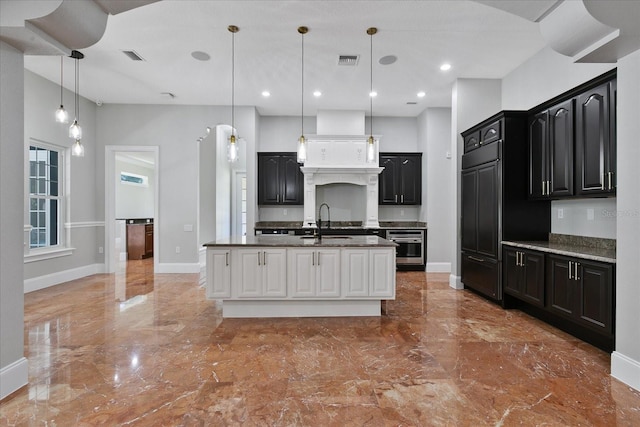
<point x="77" y="149"/>
<point x="302" y="143"/>
<point x="75" y="131"/>
<point x="371" y="147"/>
<point x="61" y="114"/>
<point x="232" y="146"/>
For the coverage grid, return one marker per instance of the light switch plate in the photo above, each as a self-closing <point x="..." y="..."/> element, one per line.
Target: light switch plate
<point x="560" y="213"/>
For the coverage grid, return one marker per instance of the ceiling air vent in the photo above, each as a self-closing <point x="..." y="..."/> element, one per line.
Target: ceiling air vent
<point x="412" y="103"/>
<point x="348" y="60"/>
<point x="133" y="55"/>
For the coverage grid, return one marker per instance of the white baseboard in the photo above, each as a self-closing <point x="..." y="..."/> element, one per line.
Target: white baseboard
<point x="455" y="282"/>
<point x="13" y="376"/>
<point x="56" y="278"/>
<point x="438" y="267"/>
<point x="178" y="267"/>
<point x="625" y="369"/>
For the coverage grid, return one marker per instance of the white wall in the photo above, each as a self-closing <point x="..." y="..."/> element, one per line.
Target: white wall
<point x="13" y="366"/>
<point x="584" y="217"/>
<point x="175" y="130"/>
<point x="438" y="200"/>
<point x="41" y="98"/>
<point x="625" y="361"/>
<point x="472" y="101"/>
<point x="134" y="201"/>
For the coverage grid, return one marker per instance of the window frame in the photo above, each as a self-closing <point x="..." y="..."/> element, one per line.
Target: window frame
<point x="62" y="248"/>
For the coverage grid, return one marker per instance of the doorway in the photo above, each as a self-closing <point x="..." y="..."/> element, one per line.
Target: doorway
<point x="131" y="192"/>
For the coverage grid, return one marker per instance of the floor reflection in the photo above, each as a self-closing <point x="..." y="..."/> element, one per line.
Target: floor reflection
<point x="137" y="348"/>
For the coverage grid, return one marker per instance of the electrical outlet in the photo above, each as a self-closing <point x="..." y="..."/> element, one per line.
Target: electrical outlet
<point x="177" y="249"/>
<point x="100" y="250"/>
<point x="401" y="212"/>
<point x="560" y="213"/>
<point x="590" y="214"/>
<point x="284" y="212"/>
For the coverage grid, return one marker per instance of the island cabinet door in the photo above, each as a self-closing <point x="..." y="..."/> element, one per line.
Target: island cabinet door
<point x="301" y="272"/>
<point x="313" y="273"/>
<point x="274" y="273"/>
<point x="382" y="273"/>
<point x="355" y="272"/>
<point x="328" y="273"/>
<point x="218" y="274"/>
<point x="247" y="272"/>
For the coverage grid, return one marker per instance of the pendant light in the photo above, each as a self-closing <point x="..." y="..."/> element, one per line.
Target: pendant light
<point x="371" y="148"/>
<point x="232" y="146"/>
<point x="75" y="131"/>
<point x="302" y="143"/>
<point x="62" y="116"/>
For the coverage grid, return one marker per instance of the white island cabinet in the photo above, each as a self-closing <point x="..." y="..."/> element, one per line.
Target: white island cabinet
<point x="293" y="276"/>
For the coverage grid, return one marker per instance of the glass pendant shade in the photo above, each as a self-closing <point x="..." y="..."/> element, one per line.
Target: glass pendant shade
<point x="371" y="150"/>
<point x="75" y="131"/>
<point x="302" y="149"/>
<point x="77" y="150"/>
<point x="232" y="149"/>
<point x="62" y="116"/>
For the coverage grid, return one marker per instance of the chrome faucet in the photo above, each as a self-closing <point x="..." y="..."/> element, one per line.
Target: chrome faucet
<point x="320" y="218"/>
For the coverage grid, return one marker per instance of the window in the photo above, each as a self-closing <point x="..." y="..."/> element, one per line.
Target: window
<point x="45" y="197"/>
<point x="134" y="179"/>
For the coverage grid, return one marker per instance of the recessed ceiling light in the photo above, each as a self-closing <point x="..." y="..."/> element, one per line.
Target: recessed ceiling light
<point x="317" y="93"/>
<point x="445" y="67"/>
<point x="421" y="94"/>
<point x="388" y="60"/>
<point x="373" y="94"/>
<point x="200" y="56"/>
<point x="266" y="93"/>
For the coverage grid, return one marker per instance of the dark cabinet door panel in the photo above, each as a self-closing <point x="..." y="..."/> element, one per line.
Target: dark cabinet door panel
<point x="469" y="210"/>
<point x="387" y="191"/>
<point x="487" y="209"/>
<point x="561" y="149"/>
<point x="471" y="142"/>
<point x="538" y="154"/>
<point x="511" y="282"/>
<point x="562" y="290"/>
<point x="596" y="296"/>
<point x="482" y="275"/>
<point x="280" y="180"/>
<point x="593" y="142"/>
<point x="269" y="180"/>
<point x="292" y="182"/>
<point x="533" y="278"/>
<point x="411" y="180"/>
<point x="491" y="132"/>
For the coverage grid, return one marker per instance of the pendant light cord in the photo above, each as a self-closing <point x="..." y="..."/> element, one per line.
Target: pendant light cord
<point x="77" y="87"/>
<point x="371" y="33"/>
<point x="233" y="80"/>
<point x="302" y="86"/>
<point x="61" y="77"/>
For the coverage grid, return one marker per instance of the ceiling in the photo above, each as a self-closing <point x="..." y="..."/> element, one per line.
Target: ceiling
<point x="478" y="40"/>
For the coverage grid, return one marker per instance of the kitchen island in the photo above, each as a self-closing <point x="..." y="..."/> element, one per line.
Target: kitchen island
<point x="301" y="276"/>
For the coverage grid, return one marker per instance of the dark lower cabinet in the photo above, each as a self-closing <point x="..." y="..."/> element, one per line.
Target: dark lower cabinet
<point x="582" y="291"/>
<point x="482" y="274"/>
<point x="574" y="294"/>
<point x="523" y="275"/>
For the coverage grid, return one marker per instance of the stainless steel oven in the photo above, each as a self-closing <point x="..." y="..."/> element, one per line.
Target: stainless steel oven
<point x="410" y="250"/>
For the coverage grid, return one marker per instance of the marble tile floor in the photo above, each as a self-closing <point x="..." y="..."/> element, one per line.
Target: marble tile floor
<point x="138" y="349"/>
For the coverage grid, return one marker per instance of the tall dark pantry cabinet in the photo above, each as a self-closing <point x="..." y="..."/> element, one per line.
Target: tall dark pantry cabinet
<point x="494" y="204"/>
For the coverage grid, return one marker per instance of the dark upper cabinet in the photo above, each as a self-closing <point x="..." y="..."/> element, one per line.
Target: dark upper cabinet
<point x="551" y="152"/>
<point x="595" y="142"/>
<point x="400" y="182"/>
<point x="471" y="141"/>
<point x="280" y="181"/>
<point x="489" y="133"/>
<point x="582" y="291"/>
<point x="572" y="143"/>
<point x="523" y="275"/>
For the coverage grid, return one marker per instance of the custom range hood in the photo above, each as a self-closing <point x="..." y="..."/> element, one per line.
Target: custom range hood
<point x="338" y="155"/>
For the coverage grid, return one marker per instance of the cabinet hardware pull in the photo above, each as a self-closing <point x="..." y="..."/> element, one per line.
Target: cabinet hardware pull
<point x="610" y="186"/>
<point x="517" y="258"/>
<point x="264" y="258"/>
<point x="258" y="258"/>
<point x="226" y="258"/>
<point x="543" y="187"/>
<point x="570" y="269"/>
<point x="602" y="181"/>
<point x="313" y="258"/>
<point x="402" y="198"/>
<point x="396" y="198"/>
<point x="476" y="259"/>
<point x="549" y="188"/>
<point x="318" y="258"/>
<point x="277" y="198"/>
<point x="521" y="259"/>
<point x="575" y="274"/>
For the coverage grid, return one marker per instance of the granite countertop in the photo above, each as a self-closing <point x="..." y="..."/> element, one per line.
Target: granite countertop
<point x="281" y="240"/>
<point x="591" y="248"/>
<point x="340" y="225"/>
